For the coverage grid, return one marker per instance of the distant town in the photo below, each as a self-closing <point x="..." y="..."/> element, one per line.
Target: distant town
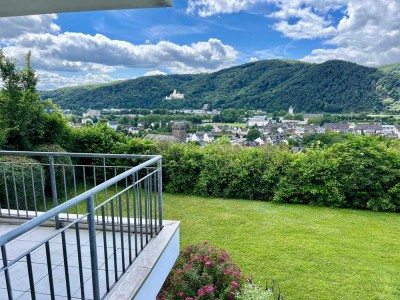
<point x="255" y="129"/>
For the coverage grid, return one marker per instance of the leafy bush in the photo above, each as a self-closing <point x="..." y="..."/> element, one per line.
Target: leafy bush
<point x="202" y="272"/>
<point x="94" y="139"/>
<point x="181" y="167"/>
<point x="26" y="171"/>
<point x="63" y="168"/>
<point x="359" y="172"/>
<point x="253" y="292"/>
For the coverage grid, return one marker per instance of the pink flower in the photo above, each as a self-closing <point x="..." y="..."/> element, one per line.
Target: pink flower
<point x="208" y="288"/>
<point x="180" y="294"/>
<point x="228" y="272"/>
<point x="189" y="298"/>
<point x="201" y="292"/>
<point x="235" y="284"/>
<point x="209" y="263"/>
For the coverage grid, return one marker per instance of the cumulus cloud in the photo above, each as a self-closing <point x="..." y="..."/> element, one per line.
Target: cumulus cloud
<point x="253" y="59"/>
<point x="206" y="8"/>
<point x="368" y="33"/>
<point x="154" y="73"/>
<point x="16" y="26"/>
<point x="50" y="80"/>
<point x="71" y="51"/>
<point x="362" y="31"/>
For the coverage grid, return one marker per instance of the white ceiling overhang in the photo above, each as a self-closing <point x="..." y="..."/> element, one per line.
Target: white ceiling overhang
<point x="10" y="8"/>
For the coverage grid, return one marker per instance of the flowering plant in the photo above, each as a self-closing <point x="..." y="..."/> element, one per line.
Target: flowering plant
<point x="202" y="272"/>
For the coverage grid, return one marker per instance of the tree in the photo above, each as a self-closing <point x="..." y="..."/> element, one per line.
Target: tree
<point x="24" y="122"/>
<point x="253" y="134"/>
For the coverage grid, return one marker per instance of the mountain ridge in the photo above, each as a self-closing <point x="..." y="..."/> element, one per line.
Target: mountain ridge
<point x="331" y="86"/>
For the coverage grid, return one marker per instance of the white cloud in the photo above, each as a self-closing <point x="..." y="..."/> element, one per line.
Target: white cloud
<point x="154" y="73"/>
<point x="77" y="51"/>
<point x="363" y="31"/>
<point x="369" y="34"/>
<point x="206" y="8"/>
<point x="50" y="80"/>
<point x="253" y="59"/>
<point x="15" y="26"/>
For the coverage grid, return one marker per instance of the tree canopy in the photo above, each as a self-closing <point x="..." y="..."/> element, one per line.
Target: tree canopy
<point x="25" y="120"/>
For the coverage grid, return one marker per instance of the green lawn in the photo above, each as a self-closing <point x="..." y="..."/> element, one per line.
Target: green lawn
<point x="313" y="252"/>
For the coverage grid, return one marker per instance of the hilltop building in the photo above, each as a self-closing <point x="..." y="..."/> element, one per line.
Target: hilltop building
<point x="291" y="110"/>
<point x="175" y="95"/>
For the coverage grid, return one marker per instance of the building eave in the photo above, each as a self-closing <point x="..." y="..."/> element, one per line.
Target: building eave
<point x="36" y="7"/>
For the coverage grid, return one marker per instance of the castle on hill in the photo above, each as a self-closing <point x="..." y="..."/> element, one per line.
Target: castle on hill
<point x="175" y="95"/>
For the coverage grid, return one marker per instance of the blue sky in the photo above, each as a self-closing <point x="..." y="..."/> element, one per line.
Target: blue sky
<point x="201" y="36"/>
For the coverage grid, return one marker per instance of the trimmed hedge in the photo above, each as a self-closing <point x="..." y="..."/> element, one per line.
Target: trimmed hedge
<point x="362" y="172"/>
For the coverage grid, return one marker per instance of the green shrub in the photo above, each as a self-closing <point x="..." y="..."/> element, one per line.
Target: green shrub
<point x="311" y="179"/>
<point x="359" y="172"/>
<point x="181" y="167"/>
<point x="26" y="171"/>
<point x="202" y="272"/>
<point x="63" y="167"/>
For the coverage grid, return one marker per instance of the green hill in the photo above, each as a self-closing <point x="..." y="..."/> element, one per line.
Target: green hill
<point x="332" y="86"/>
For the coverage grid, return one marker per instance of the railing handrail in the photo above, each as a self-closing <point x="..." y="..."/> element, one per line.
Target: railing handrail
<point x="29" y="225"/>
<point x="70" y="154"/>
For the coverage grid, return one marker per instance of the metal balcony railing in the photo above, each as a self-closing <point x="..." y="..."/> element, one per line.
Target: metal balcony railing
<point x="110" y="205"/>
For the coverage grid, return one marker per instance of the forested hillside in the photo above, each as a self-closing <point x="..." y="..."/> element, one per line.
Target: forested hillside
<point x="332" y="86"/>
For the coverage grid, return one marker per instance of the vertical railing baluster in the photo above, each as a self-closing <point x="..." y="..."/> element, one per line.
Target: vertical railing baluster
<point x="105" y="179"/>
<point x="66" y="269"/>
<point x="75" y="191"/>
<point x="50" y="270"/>
<point x="114" y="241"/>
<point x="105" y="248"/>
<point x="95" y="196"/>
<point x="134" y="199"/>
<point x="155" y="204"/>
<point x="33" y="189"/>
<point x="65" y="188"/>
<point x="15" y="188"/>
<point x="24" y="190"/>
<point x="151" y="204"/>
<point x="84" y="178"/>
<point x="43" y="189"/>
<point x="30" y="275"/>
<point x="78" y="247"/>
<point x="6" y="189"/>
<point x="93" y="247"/>
<point x="140" y="215"/>
<point x="128" y="216"/>
<point x="121" y="229"/>
<point x="160" y="208"/>
<point x="6" y="272"/>
<point x="146" y="205"/>
<point x="54" y="188"/>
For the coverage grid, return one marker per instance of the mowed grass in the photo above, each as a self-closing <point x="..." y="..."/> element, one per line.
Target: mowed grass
<point x="312" y="252"/>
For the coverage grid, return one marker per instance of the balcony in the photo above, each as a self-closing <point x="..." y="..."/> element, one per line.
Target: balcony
<point x="83" y="226"/>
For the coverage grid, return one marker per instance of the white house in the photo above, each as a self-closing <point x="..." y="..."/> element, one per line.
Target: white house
<point x="113" y="124"/>
<point x="208" y="137"/>
<point x="87" y="120"/>
<point x="259" y="141"/>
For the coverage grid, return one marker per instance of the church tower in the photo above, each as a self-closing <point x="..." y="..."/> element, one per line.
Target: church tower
<point x="179" y="131"/>
<point x="291" y="110"/>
